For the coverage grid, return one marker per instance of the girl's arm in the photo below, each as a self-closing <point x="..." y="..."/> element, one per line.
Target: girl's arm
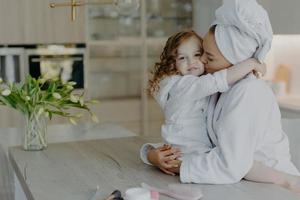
<point x="241" y="69"/>
<point x="190" y="88"/>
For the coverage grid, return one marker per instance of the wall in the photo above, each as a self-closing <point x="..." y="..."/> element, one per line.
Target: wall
<point x="284" y="15"/>
<point x="285" y="50"/>
<point x="203" y="14"/>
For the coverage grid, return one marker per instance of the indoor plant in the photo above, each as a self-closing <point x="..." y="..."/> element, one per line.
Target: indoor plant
<point x="39" y="99"/>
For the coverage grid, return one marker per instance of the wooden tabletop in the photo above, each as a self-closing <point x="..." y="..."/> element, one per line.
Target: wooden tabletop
<point x="71" y="171"/>
<point x="9" y="189"/>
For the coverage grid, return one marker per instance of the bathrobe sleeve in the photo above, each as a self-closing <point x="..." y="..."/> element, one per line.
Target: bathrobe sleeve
<point x="192" y="87"/>
<point x="144" y="151"/>
<point x="240" y="124"/>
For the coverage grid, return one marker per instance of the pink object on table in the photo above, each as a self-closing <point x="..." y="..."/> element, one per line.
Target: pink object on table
<point x="154" y="195"/>
<point x="177" y="191"/>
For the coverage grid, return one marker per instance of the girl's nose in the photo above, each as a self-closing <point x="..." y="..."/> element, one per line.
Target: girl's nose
<point x="191" y="61"/>
<point x="203" y="59"/>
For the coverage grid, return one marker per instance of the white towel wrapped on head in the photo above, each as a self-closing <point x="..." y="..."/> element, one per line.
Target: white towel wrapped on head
<point x="243" y="30"/>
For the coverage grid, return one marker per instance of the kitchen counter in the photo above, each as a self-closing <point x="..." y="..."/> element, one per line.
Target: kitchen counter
<point x="289" y="106"/>
<point x="55" y="133"/>
<point x="72" y="170"/>
<point x="291" y="102"/>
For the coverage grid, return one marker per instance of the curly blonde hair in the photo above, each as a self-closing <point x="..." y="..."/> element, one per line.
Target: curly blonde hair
<point x="167" y="65"/>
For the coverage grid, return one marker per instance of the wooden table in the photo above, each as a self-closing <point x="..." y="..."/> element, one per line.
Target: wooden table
<point x="10" y="189"/>
<point x="71" y="171"/>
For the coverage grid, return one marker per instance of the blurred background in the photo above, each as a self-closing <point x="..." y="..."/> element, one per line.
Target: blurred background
<point x="108" y="50"/>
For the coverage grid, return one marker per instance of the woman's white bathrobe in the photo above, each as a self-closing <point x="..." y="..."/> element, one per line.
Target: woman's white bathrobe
<point x="244" y="125"/>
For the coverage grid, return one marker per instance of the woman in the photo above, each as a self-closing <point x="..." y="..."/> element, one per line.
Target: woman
<point x="244" y="123"/>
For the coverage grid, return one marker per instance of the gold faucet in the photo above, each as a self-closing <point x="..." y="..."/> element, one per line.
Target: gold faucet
<point x="74" y="3"/>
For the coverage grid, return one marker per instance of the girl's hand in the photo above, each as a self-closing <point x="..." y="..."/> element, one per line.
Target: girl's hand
<point x="260" y="68"/>
<point x="161" y="157"/>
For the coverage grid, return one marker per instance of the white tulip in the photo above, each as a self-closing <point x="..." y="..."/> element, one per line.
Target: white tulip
<point x="56" y="95"/>
<point x="74" y="98"/>
<point x="6" y="92"/>
<point x="72" y="83"/>
<point x="42" y="80"/>
<point x="70" y="87"/>
<point x="27" y="98"/>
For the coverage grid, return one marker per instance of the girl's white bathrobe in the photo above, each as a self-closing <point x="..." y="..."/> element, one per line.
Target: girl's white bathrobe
<point x="184" y="101"/>
<point x="244" y="125"/>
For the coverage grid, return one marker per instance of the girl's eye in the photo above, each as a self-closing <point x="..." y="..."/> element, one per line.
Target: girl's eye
<point x="198" y="55"/>
<point x="180" y="58"/>
<point x="209" y="59"/>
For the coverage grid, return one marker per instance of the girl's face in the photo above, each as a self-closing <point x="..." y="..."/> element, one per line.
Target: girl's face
<point x="188" y="57"/>
<point x="212" y="57"/>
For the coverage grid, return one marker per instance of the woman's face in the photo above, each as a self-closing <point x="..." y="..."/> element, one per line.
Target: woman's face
<point x="212" y="58"/>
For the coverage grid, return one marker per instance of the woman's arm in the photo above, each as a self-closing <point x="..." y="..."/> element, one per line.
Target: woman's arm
<point x="238" y="71"/>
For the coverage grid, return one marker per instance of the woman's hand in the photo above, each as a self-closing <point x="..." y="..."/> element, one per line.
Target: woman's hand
<point x="163" y="157"/>
<point x="176" y="168"/>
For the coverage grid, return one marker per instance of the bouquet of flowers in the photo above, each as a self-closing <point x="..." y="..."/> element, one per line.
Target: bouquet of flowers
<point x="39" y="99"/>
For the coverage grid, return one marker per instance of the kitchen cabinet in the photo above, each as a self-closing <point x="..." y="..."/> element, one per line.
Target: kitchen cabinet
<point x="115" y="54"/>
<point x="12" y="22"/>
<point x="46" y="25"/>
<point x="118" y="62"/>
<point x="34" y="22"/>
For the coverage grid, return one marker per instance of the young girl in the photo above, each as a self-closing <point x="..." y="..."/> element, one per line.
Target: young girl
<point x="182" y="90"/>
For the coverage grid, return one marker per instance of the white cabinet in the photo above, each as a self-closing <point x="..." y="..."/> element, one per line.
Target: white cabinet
<point x="46" y="25"/>
<point x="34" y="22"/>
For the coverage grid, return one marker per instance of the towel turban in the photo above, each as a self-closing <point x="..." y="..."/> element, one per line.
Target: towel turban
<point x="243" y="30"/>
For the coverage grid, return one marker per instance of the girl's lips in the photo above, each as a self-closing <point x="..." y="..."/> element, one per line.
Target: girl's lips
<point x="193" y="68"/>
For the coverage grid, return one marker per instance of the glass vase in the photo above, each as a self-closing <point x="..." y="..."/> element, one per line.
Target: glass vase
<point x="35" y="132"/>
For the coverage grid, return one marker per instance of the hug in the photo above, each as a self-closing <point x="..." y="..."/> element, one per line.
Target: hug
<point x="222" y="122"/>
